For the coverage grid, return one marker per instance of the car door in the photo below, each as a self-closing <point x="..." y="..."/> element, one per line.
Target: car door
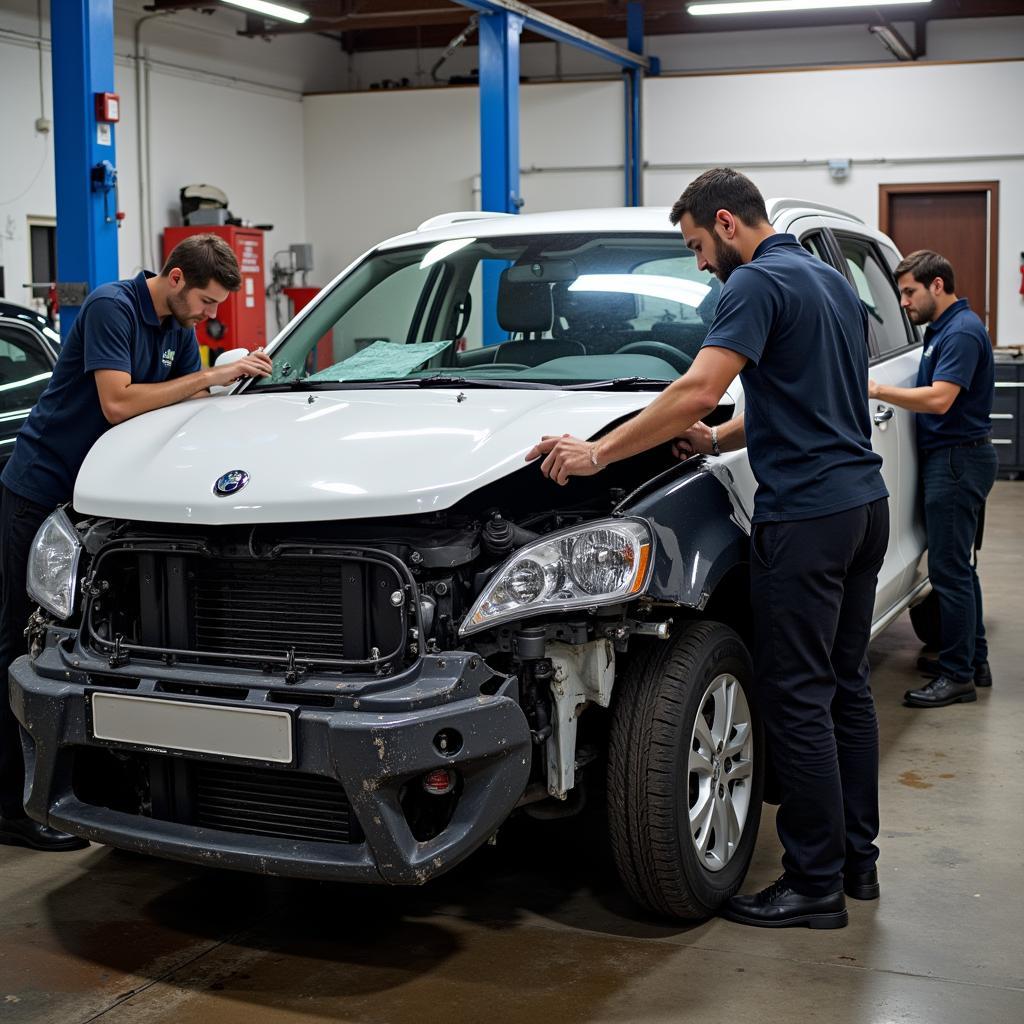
<point x="895" y="355"/>
<point x="815" y="235"/>
<point x="26" y="363"/>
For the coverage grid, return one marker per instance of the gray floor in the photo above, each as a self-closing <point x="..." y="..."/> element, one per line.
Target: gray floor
<point x="537" y="930"/>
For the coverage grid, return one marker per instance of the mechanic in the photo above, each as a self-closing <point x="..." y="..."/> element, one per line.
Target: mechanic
<point x="796" y="331"/>
<point x="132" y="348"/>
<point x="953" y="402"/>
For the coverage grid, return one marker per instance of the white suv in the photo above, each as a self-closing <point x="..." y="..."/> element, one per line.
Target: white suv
<point x="332" y="625"/>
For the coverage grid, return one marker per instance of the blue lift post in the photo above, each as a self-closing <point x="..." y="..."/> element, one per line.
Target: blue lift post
<point x="499" y="138"/>
<point x="501" y="23"/>
<point x="84" y="152"/>
<point x="634" y="96"/>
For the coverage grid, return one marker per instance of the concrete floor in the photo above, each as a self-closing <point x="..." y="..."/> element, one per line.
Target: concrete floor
<point x="537" y="929"/>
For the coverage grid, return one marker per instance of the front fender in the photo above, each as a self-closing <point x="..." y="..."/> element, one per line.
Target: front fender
<point x="702" y="532"/>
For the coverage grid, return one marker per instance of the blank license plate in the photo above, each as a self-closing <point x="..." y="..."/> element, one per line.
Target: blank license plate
<point x="252" y="733"/>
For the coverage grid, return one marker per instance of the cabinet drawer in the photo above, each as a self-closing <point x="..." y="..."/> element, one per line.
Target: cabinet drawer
<point x="1004" y="403"/>
<point x="1004" y="428"/>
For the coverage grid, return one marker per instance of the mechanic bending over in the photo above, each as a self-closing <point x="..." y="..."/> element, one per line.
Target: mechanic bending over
<point x="794" y="327"/>
<point x="953" y="402"/>
<point x="132" y="348"/>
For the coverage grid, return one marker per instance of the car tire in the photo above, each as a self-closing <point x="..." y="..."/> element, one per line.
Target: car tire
<point x="924" y="617"/>
<point x="658" y="782"/>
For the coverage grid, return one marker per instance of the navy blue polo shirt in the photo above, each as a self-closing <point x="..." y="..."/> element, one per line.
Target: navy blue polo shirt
<point x="957" y="349"/>
<point x="116" y="329"/>
<point x="804" y="331"/>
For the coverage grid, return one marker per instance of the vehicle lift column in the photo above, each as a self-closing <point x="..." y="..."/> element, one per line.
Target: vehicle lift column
<point x="501" y="24"/>
<point x="84" y="152"/>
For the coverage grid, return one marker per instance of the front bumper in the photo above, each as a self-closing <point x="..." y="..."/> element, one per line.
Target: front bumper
<point x="375" y="739"/>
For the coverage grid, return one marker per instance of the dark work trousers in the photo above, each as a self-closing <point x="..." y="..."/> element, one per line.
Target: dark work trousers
<point x="956" y="482"/>
<point x="812" y="584"/>
<point x="19" y="521"/>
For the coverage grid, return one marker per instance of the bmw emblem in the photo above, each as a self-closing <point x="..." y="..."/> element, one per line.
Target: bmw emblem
<point x="230" y="483"/>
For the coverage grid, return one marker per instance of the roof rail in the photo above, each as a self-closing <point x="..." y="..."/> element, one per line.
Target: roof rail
<point x="443" y="220"/>
<point x="778" y="205"/>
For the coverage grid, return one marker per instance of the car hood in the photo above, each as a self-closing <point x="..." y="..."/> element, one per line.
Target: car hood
<point x="328" y="455"/>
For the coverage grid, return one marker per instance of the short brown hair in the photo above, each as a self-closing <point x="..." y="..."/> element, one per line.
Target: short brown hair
<point x="926" y="265"/>
<point x="202" y="258"/>
<point x="721" y="188"/>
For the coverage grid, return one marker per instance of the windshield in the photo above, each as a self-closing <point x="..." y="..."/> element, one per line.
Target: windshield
<point x="534" y="310"/>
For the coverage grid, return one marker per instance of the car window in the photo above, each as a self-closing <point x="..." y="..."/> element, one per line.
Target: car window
<point x="815" y="245"/>
<point x="562" y="308"/>
<point x="877" y="290"/>
<point x="24" y="369"/>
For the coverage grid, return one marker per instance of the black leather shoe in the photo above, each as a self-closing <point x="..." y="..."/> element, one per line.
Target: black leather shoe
<point x="982" y="672"/>
<point x="779" y="906"/>
<point x="940" y="692"/>
<point x="26" y="832"/>
<point x="862" y="885"/>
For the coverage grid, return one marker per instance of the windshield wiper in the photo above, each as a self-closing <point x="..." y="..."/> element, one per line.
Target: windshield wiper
<point x="622" y="384"/>
<point x="299" y="384"/>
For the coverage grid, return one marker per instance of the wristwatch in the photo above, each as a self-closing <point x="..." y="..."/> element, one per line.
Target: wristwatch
<point x="715" y="450"/>
<point x="593" y="454"/>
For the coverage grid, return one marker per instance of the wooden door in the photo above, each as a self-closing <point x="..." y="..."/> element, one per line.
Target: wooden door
<point x="958" y="220"/>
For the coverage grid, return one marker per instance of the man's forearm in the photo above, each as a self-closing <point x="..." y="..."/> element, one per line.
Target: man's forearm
<point x="135" y="399"/>
<point x="678" y="407"/>
<point x="924" y="399"/>
<point x="732" y="435"/>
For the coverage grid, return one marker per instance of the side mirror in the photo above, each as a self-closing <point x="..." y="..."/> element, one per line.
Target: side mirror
<point x="232" y="355"/>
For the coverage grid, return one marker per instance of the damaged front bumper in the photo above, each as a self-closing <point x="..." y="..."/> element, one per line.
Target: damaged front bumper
<point x="351" y="803"/>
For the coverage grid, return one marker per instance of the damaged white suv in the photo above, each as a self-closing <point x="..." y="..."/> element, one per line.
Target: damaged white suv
<point x="332" y="625"/>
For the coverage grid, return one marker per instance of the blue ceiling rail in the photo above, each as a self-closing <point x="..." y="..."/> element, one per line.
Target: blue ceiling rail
<point x="84" y="152"/>
<point x="502" y="22"/>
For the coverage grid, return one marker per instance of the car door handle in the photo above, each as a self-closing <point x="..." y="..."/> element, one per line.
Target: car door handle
<point x="883" y="414"/>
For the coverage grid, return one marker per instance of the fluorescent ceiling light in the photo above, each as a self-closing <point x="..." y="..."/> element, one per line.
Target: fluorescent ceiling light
<point x="776" y="6"/>
<point x="675" y="289"/>
<point x="271" y="10"/>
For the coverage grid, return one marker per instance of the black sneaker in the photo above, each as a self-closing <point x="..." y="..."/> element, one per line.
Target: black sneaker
<point x="982" y="671"/>
<point x="940" y="692"/>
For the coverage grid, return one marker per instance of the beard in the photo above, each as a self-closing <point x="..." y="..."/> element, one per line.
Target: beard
<point x="727" y="259"/>
<point x="178" y="305"/>
<point x="923" y="313"/>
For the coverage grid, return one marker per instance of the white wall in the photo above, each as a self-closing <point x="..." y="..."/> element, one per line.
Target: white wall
<point x="880" y="118"/>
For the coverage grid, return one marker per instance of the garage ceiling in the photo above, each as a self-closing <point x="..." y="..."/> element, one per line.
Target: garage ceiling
<point x="364" y="25"/>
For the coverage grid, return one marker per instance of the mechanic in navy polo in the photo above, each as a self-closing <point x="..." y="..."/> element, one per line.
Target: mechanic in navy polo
<point x="797" y="332"/>
<point x="131" y="349"/>
<point x="953" y="402"/>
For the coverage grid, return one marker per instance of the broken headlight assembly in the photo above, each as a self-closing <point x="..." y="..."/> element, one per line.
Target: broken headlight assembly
<point x="53" y="565"/>
<point x="602" y="563"/>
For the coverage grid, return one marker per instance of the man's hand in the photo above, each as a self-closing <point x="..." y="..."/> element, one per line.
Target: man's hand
<point x="872" y="388"/>
<point x="255" y="364"/>
<point x="695" y="441"/>
<point x="567" y="456"/>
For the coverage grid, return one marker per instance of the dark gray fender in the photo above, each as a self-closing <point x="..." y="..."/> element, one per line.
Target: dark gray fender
<point x="701" y="529"/>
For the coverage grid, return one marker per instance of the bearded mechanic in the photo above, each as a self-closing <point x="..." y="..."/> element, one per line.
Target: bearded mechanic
<point x="792" y="327"/>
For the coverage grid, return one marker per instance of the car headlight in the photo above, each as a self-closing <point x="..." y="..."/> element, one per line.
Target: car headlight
<point x="53" y="565"/>
<point x="601" y="563"/>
